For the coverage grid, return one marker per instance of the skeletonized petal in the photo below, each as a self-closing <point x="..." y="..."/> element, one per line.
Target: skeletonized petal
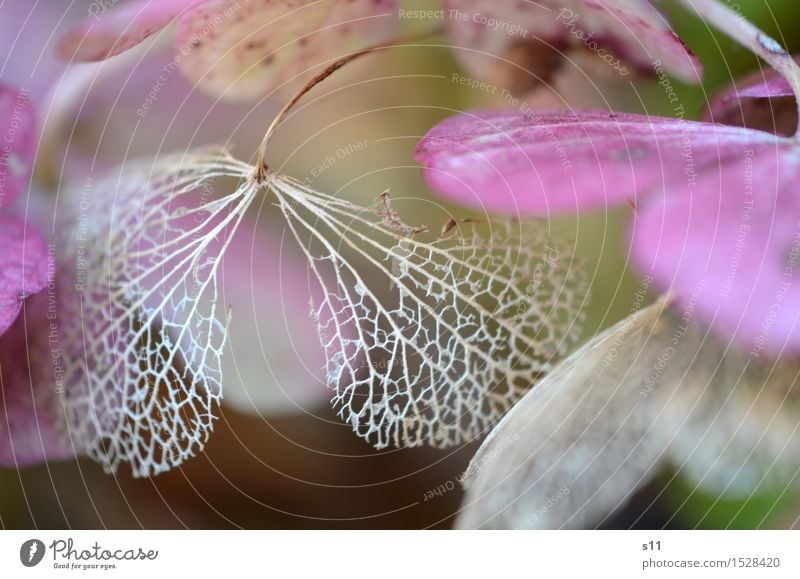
<point x="108" y="33"/>
<point x="244" y="51"/>
<point x="492" y="36"/>
<point x="142" y="327"/>
<point x="431" y="342"/>
<point x="563" y="162"/>
<point x="730" y="244"/>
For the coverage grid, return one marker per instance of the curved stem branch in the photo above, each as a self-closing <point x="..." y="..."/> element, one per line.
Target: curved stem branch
<point x="261" y="165"/>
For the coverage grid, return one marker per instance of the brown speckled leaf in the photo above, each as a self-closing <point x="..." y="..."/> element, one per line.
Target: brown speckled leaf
<point x="244" y="51"/>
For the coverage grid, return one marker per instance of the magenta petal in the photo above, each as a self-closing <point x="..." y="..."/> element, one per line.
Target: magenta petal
<point x="764" y="100"/>
<point x="108" y="33"/>
<point x="561" y="162"/>
<point x="631" y="29"/>
<point x="273" y="360"/>
<point x="729" y="247"/>
<point x="23" y="267"/>
<point x="18" y="146"/>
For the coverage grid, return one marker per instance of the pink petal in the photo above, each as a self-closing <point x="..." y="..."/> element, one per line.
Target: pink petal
<point x="763" y="100"/>
<point x="730" y="247"/>
<point x="18" y="146"/>
<point x="560" y="162"/>
<point x="273" y="361"/>
<point x="23" y="267"/>
<point x="108" y="33"/>
<point x="631" y="29"/>
<point x="258" y="46"/>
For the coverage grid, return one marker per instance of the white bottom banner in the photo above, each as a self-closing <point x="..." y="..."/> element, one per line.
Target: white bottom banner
<point x="399" y="554"/>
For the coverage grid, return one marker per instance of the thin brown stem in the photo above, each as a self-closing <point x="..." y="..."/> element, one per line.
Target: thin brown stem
<point x="261" y="166"/>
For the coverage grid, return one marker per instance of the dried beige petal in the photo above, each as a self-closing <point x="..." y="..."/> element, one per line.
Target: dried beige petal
<point x="656" y="387"/>
<point x="734" y="417"/>
<point x="576" y="446"/>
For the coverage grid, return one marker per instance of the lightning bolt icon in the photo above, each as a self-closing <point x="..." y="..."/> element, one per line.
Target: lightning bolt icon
<point x="34" y="548"/>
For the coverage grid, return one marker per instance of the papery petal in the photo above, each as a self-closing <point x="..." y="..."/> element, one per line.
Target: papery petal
<point x="580" y="442"/>
<point x="559" y="162"/>
<point x="764" y="101"/>
<point x="529" y="34"/>
<point x="23" y="267"/>
<point x="18" y="130"/>
<point x="656" y="387"/>
<point x="273" y="362"/>
<point x="107" y="33"/>
<point x="729" y="243"/>
<point x="242" y="52"/>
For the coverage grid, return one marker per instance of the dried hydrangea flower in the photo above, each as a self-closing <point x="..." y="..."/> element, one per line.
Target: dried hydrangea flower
<point x="462" y="308"/>
<point x="521" y="46"/>
<point x="469" y="324"/>
<point x="238" y="51"/>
